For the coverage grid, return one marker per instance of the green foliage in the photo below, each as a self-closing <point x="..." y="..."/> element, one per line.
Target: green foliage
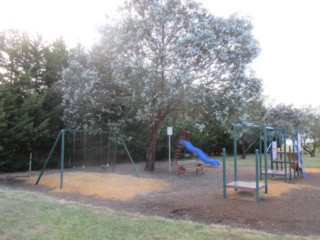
<point x="310" y="129"/>
<point x="29" y="102"/>
<point x="305" y="120"/>
<point x="145" y="63"/>
<point x="284" y="116"/>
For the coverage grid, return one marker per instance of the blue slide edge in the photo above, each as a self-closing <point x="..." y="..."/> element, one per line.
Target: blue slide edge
<point x="188" y="145"/>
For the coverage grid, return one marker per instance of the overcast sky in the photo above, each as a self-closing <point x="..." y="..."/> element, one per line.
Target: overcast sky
<point x="287" y="30"/>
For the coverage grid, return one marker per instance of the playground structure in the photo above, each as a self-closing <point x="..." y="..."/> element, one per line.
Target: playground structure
<point x="184" y="143"/>
<point x="289" y="157"/>
<point x="244" y="185"/>
<point x="110" y="138"/>
<point x="292" y="160"/>
<point x="256" y="185"/>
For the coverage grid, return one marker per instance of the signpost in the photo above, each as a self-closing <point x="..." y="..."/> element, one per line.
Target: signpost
<point x="169" y="132"/>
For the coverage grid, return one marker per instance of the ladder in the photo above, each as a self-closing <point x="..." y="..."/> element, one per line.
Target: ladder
<point x="184" y="136"/>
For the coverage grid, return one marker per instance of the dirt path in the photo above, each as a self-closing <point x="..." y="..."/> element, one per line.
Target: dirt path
<point x="288" y="208"/>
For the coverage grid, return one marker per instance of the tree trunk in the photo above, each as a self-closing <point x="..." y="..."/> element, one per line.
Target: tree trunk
<point x="245" y="150"/>
<point x="314" y="148"/>
<point x="309" y="150"/>
<point x="155" y="126"/>
<point x="151" y="152"/>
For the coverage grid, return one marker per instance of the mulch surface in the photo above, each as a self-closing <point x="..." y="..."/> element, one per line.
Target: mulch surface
<point x="287" y="208"/>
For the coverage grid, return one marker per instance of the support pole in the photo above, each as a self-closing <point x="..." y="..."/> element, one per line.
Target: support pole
<point x="224" y="173"/>
<point x="129" y="155"/>
<point x="169" y="153"/>
<point x="48" y="158"/>
<point x="260" y="152"/>
<point x="235" y="153"/>
<point x="265" y="158"/>
<point x="62" y="158"/>
<point x="257" y="176"/>
<point x="169" y="133"/>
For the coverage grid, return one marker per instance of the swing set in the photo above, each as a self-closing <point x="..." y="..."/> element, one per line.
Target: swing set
<point x="103" y="141"/>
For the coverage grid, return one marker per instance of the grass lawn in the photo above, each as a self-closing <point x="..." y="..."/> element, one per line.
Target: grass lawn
<point x="30" y="215"/>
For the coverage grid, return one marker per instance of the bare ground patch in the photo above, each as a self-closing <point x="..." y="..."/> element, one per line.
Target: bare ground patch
<point x="105" y="186"/>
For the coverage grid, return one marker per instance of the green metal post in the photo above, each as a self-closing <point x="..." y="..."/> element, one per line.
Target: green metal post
<point x="235" y="153"/>
<point x="265" y="158"/>
<point x="260" y="152"/>
<point x="48" y="158"/>
<point x="129" y="155"/>
<point x="62" y="158"/>
<point x="224" y="173"/>
<point x="257" y="175"/>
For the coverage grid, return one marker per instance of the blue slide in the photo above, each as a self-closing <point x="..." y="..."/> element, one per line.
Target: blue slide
<point x="188" y="145"/>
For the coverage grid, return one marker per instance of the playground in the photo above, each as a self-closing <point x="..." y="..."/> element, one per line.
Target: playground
<point x="193" y="190"/>
<point x="288" y="208"/>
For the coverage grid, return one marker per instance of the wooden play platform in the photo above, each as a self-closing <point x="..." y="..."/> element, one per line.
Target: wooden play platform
<point x="245" y="185"/>
<point x="291" y="162"/>
<point x="275" y="172"/>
